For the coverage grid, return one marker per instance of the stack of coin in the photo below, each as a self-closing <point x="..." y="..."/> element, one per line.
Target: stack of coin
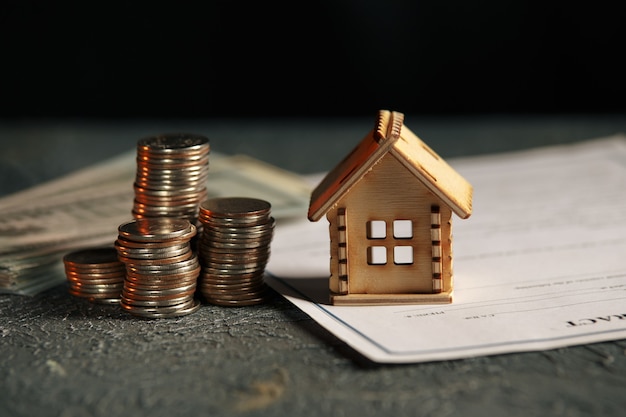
<point x="95" y="274"/>
<point x="172" y="171"/>
<point x="234" y="247"/>
<point x="161" y="268"/>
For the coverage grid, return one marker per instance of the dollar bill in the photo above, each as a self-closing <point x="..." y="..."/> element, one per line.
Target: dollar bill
<point x="85" y="208"/>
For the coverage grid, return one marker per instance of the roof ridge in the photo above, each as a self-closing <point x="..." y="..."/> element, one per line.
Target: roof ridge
<point x="388" y="125"/>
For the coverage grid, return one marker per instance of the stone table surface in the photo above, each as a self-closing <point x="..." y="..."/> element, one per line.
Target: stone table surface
<point x="63" y="356"/>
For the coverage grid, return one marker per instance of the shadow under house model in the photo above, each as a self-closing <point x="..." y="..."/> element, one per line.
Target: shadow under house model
<point x="389" y="204"/>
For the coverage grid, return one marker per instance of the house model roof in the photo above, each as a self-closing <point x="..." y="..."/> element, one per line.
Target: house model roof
<point x="391" y="136"/>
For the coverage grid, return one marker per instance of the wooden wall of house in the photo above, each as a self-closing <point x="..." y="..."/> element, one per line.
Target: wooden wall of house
<point x="389" y="192"/>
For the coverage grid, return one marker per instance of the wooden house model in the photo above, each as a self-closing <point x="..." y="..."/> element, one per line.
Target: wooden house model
<point x="389" y="205"/>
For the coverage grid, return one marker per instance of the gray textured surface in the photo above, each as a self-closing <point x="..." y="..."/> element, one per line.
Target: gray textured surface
<point x="63" y="356"/>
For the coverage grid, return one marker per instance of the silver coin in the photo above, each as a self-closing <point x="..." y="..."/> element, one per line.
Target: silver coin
<point x="156" y="261"/>
<point x="235" y="295"/>
<point x="171" y="149"/>
<point x="154" y="165"/>
<point x="157" y="255"/>
<point x="92" y="257"/>
<point x="88" y="281"/>
<point x="234" y="251"/>
<point x="96" y="273"/>
<point x="172" y="157"/>
<point x="230" y="285"/>
<point x="212" y="260"/>
<point x="182" y="152"/>
<point x="164" y="172"/>
<point x="175" y="275"/>
<point x="236" y="292"/>
<point x="172" y="142"/>
<point x="87" y="271"/>
<point x="191" y="192"/>
<point x="167" y="209"/>
<point x="171" y="247"/>
<point x="154" y="303"/>
<point x="231" y="207"/>
<point x="157" y="289"/>
<point x="80" y="294"/>
<point x="230" y="279"/>
<point x="195" y="173"/>
<point x="187" y="184"/>
<point x="213" y="234"/>
<point x="236" y="245"/>
<point x="97" y="288"/>
<point x="181" y="161"/>
<point x="231" y="222"/>
<point x="163" y="312"/>
<point x="222" y="271"/>
<point x="165" y="309"/>
<point x="219" y="264"/>
<point x="258" y="230"/>
<point x="241" y="242"/>
<point x="105" y="301"/>
<point x="159" y="292"/>
<point x="162" y="229"/>
<point x="166" y="268"/>
<point x="236" y="303"/>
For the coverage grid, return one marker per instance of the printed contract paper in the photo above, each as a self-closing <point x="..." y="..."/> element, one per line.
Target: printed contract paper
<point x="540" y="264"/>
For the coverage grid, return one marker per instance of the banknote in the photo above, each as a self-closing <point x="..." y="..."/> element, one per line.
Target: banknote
<point x="84" y="208"/>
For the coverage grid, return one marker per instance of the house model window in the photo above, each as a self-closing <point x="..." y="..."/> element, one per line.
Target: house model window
<point x="390" y="204"/>
<point x="402" y="251"/>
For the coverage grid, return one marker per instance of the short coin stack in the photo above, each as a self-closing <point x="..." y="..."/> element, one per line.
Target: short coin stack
<point x="161" y="268"/>
<point x="234" y="248"/>
<point x="95" y="274"/>
<point x="172" y="171"/>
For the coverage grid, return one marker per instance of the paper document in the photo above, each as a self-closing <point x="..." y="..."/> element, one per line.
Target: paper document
<point x="540" y="264"/>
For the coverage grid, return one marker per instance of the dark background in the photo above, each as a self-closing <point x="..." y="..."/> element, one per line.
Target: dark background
<point x="298" y="59"/>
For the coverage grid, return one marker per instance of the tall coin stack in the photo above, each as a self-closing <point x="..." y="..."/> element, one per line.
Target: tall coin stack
<point x="161" y="268"/>
<point x="172" y="171"/>
<point x="95" y="274"/>
<point x="234" y="247"/>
